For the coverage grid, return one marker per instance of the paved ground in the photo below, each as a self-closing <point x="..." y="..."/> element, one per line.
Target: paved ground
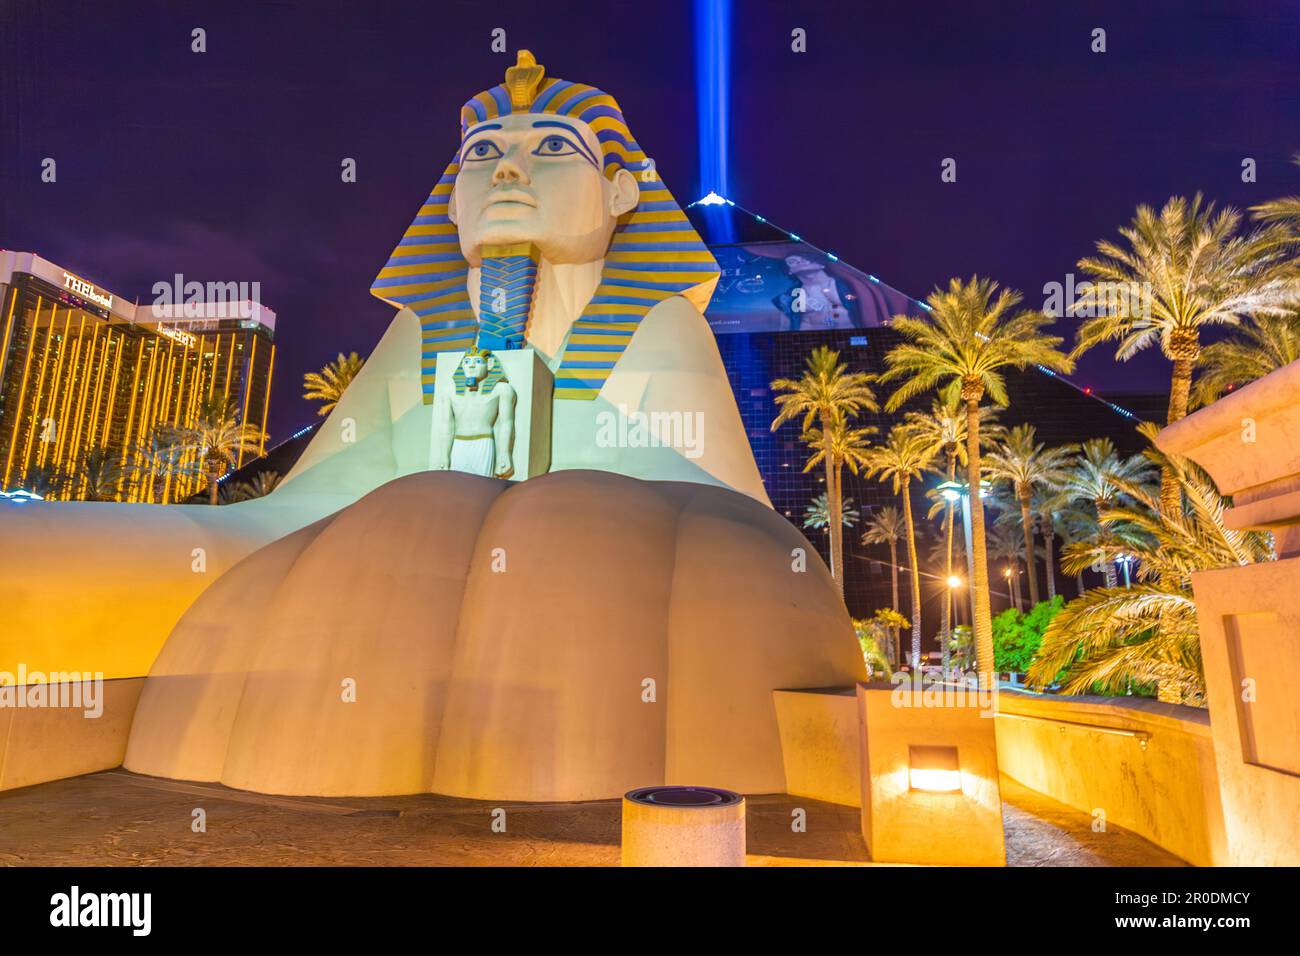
<point x="118" y="818"/>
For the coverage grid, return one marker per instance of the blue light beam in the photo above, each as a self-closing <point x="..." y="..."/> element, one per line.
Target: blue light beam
<point x="713" y="92"/>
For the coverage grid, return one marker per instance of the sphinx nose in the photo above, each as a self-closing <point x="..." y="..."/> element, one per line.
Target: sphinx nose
<point x="510" y="171"/>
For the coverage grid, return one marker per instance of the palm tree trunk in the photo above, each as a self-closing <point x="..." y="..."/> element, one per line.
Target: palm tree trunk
<point x="1027" y="521"/>
<point x="212" y="490"/>
<point x="1179" y="389"/>
<point x="1049" y="532"/>
<point x="916" y="574"/>
<point x="833" y="505"/>
<point x="982" y="626"/>
<point x="893" y="567"/>
<point x="1078" y="583"/>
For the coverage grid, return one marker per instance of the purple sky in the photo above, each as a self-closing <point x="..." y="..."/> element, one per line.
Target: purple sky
<point x="225" y="165"/>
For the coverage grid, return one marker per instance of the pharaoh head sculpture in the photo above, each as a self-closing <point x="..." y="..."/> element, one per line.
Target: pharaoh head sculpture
<point x="479" y="370"/>
<point x="546" y="171"/>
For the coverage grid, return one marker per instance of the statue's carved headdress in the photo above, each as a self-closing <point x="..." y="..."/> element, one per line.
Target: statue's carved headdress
<point x="655" y="252"/>
<point x="492" y="371"/>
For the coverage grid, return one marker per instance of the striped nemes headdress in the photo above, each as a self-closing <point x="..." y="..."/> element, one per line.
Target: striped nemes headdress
<point x="492" y="372"/>
<point x="655" y="252"/>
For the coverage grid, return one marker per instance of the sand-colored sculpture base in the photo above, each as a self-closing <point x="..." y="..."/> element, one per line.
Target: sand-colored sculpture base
<point x="565" y="638"/>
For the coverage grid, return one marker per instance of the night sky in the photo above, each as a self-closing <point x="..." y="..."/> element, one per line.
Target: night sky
<point x="225" y="166"/>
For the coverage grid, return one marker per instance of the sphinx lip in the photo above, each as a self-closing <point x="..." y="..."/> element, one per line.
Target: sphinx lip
<point x="520" y="198"/>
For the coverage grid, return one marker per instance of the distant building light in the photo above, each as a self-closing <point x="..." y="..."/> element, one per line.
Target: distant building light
<point x="858" y="340"/>
<point x="873" y="278"/>
<point x="794" y="237"/>
<point x="712" y="199"/>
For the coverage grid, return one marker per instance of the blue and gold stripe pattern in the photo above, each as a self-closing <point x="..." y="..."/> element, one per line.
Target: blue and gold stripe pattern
<point x="506" y="283"/>
<point x="655" y="253"/>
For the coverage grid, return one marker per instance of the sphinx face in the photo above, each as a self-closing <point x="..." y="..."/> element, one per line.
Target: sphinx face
<point x="537" y="178"/>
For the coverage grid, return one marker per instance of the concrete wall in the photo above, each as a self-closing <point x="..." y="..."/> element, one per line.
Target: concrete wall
<point x="901" y="824"/>
<point x="820" y="731"/>
<point x="39" y="744"/>
<point x="1167" y="792"/>
<point x="1249" y="617"/>
<point x="1249" y="620"/>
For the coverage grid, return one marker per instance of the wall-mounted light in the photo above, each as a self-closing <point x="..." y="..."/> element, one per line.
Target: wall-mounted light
<point x="933" y="769"/>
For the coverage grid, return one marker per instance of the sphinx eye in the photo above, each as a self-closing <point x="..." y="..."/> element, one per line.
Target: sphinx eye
<point x="481" y="151"/>
<point x="555" y="145"/>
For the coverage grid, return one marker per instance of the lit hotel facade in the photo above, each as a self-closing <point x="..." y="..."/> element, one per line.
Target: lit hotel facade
<point x="84" y="370"/>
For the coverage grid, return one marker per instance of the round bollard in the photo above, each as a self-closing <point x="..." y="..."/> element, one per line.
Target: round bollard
<point x="683" y="826"/>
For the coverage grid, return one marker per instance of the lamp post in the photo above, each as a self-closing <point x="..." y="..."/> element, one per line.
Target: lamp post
<point x="1125" y="561"/>
<point x="954" y="582"/>
<point x="953" y="491"/>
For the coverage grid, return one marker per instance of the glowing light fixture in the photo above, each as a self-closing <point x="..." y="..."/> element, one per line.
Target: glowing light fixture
<point x="956" y="490"/>
<point x="954" y="581"/>
<point x="712" y="199"/>
<point x="933" y="769"/>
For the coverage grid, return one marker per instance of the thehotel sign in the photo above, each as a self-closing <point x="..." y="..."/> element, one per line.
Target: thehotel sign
<point x="176" y="335"/>
<point x="87" y="291"/>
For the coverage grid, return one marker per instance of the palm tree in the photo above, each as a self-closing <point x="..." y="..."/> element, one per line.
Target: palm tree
<point x="905" y="456"/>
<point x="1285" y="210"/>
<point x="1261" y="346"/>
<point x="874" y="636"/>
<point x="968" y="336"/>
<point x="164" y="454"/>
<point x="329" y="384"/>
<point x="219" y="438"/>
<point x="1114" y="637"/>
<point x="960" y="646"/>
<point x="1098" y="476"/>
<point x="943" y="429"/>
<point x="835" y="446"/>
<point x="1026" y="465"/>
<point x="1004" y="546"/>
<point x="259" y="486"/>
<point x="1055" y="510"/>
<point x="817" y="515"/>
<point x="887" y="526"/>
<point x="46" y="481"/>
<point x="1183" y="269"/>
<point x="102" y="472"/>
<point x="826" y="394"/>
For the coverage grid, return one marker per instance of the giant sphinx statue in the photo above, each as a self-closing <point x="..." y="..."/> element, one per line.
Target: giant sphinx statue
<point x="390" y="619"/>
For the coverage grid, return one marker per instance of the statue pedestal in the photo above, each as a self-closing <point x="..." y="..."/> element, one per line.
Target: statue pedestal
<point x="533" y="384"/>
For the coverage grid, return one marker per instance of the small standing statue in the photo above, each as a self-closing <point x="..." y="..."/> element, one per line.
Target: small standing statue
<point x="474" y="429"/>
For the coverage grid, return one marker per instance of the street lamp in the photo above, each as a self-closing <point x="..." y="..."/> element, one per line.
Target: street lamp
<point x="1125" y="561"/>
<point x="952" y="492"/>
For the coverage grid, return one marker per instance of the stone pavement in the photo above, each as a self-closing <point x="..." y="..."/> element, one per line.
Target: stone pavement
<point x="118" y="818"/>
